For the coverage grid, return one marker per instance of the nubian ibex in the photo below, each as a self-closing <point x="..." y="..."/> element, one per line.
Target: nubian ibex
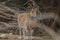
<point x="27" y="20"/>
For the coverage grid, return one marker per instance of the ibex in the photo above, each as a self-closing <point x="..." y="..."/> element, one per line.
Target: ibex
<point x="25" y="20"/>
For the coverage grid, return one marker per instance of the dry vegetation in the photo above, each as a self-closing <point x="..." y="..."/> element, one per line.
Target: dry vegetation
<point x="48" y="17"/>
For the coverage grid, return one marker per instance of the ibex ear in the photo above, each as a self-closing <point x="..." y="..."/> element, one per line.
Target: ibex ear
<point x="33" y="13"/>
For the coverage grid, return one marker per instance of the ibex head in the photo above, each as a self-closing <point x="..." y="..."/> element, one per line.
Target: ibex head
<point x="33" y="12"/>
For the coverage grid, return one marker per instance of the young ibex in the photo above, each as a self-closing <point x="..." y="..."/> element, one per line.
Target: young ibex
<point x="25" y="20"/>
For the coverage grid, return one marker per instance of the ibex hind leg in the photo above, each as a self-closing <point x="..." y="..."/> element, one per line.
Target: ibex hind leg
<point x="29" y="33"/>
<point x="24" y="34"/>
<point x="20" y="33"/>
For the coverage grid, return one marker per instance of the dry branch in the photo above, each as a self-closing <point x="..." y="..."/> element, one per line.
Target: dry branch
<point x="11" y="36"/>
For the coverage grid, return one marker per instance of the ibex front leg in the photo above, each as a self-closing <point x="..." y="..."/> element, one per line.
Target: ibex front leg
<point x="30" y="33"/>
<point x="24" y="36"/>
<point x="24" y="31"/>
<point x="20" y="32"/>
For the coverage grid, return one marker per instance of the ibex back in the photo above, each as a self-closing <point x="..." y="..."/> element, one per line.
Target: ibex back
<point x="25" y="18"/>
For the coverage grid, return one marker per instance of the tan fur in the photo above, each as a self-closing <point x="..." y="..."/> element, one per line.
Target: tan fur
<point x="24" y="22"/>
<point x="25" y="17"/>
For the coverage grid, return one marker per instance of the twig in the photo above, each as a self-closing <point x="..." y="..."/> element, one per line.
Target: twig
<point x="54" y="21"/>
<point x="5" y="2"/>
